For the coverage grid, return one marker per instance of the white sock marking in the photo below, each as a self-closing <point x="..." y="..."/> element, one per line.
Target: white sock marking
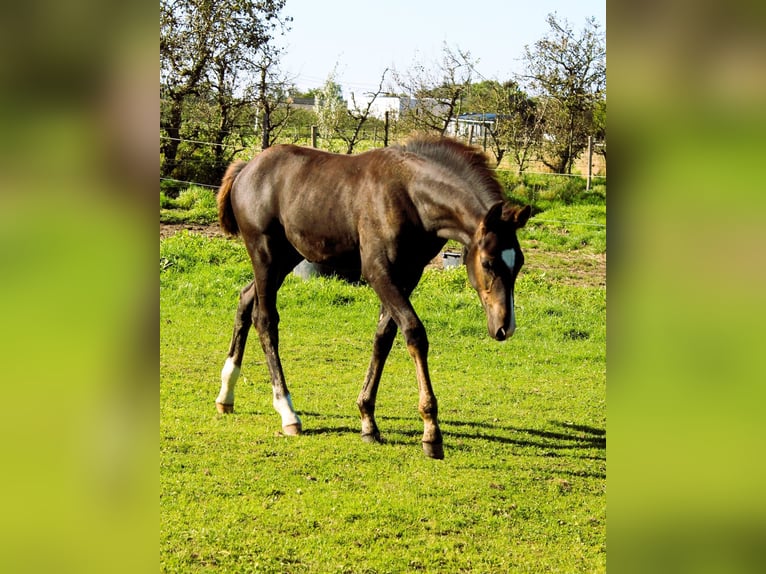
<point x="229" y="376"/>
<point x="284" y="406"/>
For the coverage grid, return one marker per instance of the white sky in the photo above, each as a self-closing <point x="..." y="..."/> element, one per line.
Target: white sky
<point x="364" y="37"/>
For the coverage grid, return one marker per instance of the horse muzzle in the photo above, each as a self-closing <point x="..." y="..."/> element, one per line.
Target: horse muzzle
<point x="503" y="333"/>
<point x="501" y="323"/>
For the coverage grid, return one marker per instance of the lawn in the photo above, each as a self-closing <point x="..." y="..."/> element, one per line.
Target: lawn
<point x="522" y="487"/>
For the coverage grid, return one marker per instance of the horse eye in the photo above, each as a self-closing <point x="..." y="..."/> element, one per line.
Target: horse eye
<point x="486" y="264"/>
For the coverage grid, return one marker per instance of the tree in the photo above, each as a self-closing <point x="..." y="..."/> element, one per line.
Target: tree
<point x="209" y="50"/>
<point x="599" y="124"/>
<point x="568" y="75"/>
<point x="272" y="97"/>
<point x="330" y="109"/>
<point x="523" y="129"/>
<point x="484" y="99"/>
<point x="517" y="125"/>
<point x="359" y="114"/>
<point x="438" y="91"/>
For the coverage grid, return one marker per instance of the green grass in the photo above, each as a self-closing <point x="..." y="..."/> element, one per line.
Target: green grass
<point x="544" y="191"/>
<point x="193" y="205"/>
<point x="569" y="228"/>
<point x="522" y="487"/>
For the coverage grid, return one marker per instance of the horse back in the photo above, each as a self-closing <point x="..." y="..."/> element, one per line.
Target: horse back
<point x="318" y="199"/>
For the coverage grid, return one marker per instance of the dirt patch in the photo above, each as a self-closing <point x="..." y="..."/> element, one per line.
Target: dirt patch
<point x="569" y="267"/>
<point x="168" y="229"/>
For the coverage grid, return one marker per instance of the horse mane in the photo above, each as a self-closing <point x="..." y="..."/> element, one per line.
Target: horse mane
<point x="469" y="163"/>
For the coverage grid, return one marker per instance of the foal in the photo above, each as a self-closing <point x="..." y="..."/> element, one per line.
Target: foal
<point x="386" y="212"/>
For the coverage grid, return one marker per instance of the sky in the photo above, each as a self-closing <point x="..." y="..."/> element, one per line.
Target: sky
<point x="364" y="37"/>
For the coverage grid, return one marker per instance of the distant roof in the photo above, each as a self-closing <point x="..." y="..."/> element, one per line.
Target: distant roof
<point x="480" y="117"/>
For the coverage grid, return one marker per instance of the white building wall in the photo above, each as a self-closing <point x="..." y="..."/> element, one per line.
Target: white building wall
<point x="395" y="105"/>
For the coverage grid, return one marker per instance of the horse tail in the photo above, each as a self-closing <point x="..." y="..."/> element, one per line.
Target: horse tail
<point x="225" y="211"/>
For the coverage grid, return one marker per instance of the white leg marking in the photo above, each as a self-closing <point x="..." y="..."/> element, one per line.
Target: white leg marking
<point x="229" y="376"/>
<point x="284" y="406"/>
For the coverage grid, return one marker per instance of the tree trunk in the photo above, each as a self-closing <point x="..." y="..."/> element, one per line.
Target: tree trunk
<point x="169" y="146"/>
<point x="266" y="129"/>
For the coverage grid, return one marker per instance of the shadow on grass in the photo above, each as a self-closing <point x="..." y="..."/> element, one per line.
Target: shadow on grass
<point x="328" y="430"/>
<point x="547" y="442"/>
<point x="582" y="437"/>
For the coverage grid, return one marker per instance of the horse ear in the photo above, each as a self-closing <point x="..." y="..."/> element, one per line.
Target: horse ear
<point x="521" y="216"/>
<point x="518" y="216"/>
<point x="493" y="218"/>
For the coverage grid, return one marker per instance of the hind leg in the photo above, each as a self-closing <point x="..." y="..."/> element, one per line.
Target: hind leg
<point x="224" y="403"/>
<point x="273" y="259"/>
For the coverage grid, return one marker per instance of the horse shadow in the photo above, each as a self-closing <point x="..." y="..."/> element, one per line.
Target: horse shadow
<point x="573" y="440"/>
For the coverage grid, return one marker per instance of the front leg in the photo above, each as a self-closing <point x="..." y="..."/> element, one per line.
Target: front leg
<point x="396" y="302"/>
<point x="384" y="339"/>
<point x="417" y="345"/>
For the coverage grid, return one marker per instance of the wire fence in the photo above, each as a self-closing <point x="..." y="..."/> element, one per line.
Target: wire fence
<point x="167" y="138"/>
<point x="189" y="182"/>
<point x="535" y="173"/>
<point x="244" y="148"/>
<point x="585" y="223"/>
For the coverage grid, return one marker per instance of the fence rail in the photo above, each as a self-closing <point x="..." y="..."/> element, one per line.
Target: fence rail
<point x="199" y="142"/>
<point x="373" y="139"/>
<point x="189" y="182"/>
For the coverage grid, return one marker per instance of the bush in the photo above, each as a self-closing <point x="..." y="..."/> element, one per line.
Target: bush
<point x="543" y="191"/>
<point x="194" y="205"/>
<point x="567" y="189"/>
<point x="507" y="179"/>
<point x="166" y="202"/>
<point x="529" y="194"/>
<point x="196" y="198"/>
<point x="171" y="188"/>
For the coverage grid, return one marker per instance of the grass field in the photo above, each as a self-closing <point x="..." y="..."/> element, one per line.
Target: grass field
<point x="522" y="487"/>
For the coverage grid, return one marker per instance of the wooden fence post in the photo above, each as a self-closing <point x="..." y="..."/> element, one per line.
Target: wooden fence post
<point x="313" y="136"/>
<point x="590" y="162"/>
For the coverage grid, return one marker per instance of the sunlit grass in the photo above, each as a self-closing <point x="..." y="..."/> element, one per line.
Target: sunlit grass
<point x="521" y="488"/>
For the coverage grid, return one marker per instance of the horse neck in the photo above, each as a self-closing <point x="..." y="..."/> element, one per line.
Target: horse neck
<point x="452" y="212"/>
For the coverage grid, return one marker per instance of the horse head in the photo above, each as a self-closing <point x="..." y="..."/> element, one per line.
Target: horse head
<point x="493" y="261"/>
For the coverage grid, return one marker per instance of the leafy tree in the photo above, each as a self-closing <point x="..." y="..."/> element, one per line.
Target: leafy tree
<point x="272" y="97"/>
<point x="518" y="119"/>
<point x="330" y="110"/>
<point x="483" y="98"/>
<point x="599" y="125"/>
<point x="438" y="91"/>
<point x="523" y="129"/>
<point x="567" y="72"/>
<point x="209" y="49"/>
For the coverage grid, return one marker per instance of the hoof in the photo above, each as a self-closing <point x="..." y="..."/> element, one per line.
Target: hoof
<point x="292" y="430"/>
<point x="372" y="438"/>
<point x="224" y="409"/>
<point x="433" y="450"/>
